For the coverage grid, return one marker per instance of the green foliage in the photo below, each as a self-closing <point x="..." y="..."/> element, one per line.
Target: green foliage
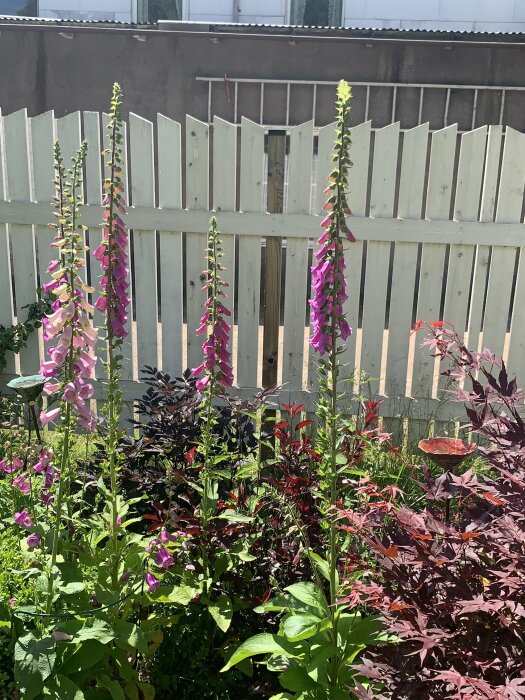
<point x="14" y="338"/>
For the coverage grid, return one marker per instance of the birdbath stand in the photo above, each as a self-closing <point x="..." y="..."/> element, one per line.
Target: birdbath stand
<point x="29" y="389"/>
<point x="448" y="453"/>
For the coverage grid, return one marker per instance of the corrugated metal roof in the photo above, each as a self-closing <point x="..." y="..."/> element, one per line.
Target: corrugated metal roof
<point x="263" y="28"/>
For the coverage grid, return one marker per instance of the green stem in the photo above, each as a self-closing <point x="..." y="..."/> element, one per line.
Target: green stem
<point x="58" y="516"/>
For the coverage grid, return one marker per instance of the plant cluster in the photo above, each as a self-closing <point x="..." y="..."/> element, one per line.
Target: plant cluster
<point x="205" y="555"/>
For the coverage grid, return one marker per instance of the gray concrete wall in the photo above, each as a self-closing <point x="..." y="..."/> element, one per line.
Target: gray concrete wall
<point x="41" y="69"/>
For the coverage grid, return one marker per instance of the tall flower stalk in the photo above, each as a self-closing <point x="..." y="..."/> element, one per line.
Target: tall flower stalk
<point x="215" y="372"/>
<point x="329" y="328"/>
<point x="114" y="300"/>
<point x="71" y="363"/>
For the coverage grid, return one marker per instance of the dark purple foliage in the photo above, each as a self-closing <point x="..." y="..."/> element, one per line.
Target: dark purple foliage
<point x="454" y="593"/>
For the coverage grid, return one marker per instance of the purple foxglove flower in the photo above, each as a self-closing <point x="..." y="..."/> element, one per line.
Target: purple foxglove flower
<point x="152" y="581"/>
<point x="34" y="540"/>
<point x="163" y="558"/>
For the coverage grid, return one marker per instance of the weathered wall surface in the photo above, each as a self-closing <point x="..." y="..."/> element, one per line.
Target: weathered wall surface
<point x="69" y="68"/>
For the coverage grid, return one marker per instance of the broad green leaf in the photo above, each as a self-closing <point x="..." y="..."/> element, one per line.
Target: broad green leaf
<point x="297" y="626"/>
<point x="308" y="593"/>
<point x="317" y="669"/>
<point x="128" y="634"/>
<point x="364" y="631"/>
<point x="34" y="663"/>
<point x="234" y="517"/>
<point x="322" y="566"/>
<point x="72" y="588"/>
<point x="95" y="629"/>
<point x="114" y="687"/>
<point x="282" y="696"/>
<point x="177" y="595"/>
<point x="261" y="644"/>
<point x="222" y="612"/>
<point x="285" y="602"/>
<point x="64" y="688"/>
<point x="85" y="656"/>
<point x="295" y="678"/>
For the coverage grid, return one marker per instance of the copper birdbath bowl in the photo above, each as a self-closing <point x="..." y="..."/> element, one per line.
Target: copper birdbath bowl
<point x="446" y="452"/>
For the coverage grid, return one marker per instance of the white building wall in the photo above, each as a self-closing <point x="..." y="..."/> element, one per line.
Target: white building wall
<point x="89" y="10"/>
<point x="257" y="11"/>
<point x="446" y="15"/>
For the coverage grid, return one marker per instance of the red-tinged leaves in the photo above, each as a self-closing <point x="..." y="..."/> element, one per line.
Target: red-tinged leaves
<point x="191" y="455"/>
<point x="304" y="424"/>
<point x="493" y="499"/>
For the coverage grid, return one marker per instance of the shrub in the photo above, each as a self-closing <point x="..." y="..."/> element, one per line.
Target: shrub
<point x="453" y="591"/>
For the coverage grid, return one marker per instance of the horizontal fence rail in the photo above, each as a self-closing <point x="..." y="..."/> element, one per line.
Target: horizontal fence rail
<point x="438" y="219"/>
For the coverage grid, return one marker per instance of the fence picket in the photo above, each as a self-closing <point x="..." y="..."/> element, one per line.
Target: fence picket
<point x="21" y="237"/>
<point x="441" y="171"/>
<point x="466" y="208"/>
<point x="252" y="159"/>
<point x="510" y="203"/>
<point x="169" y="161"/>
<point x="144" y="244"/>
<point x="299" y="187"/>
<point x="412" y="178"/>
<point x="487" y="213"/>
<point x="6" y="308"/>
<point x="93" y="191"/>
<point x="224" y="191"/>
<point x="378" y="253"/>
<point x="197" y="164"/>
<point x="410" y="203"/>
<point x="360" y="156"/>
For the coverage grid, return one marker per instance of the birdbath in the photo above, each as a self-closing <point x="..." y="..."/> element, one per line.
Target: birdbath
<point x="29" y="389"/>
<point x="447" y="452"/>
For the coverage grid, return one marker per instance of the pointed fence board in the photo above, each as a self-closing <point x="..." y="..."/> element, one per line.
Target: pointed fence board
<point x="6" y="307"/>
<point x="144" y="246"/>
<point x="410" y="204"/>
<point x="466" y="208"/>
<point x="510" y="203"/>
<point x="440" y="178"/>
<point x="300" y="178"/>
<point x="21" y="237"/>
<point x="360" y="156"/>
<point x="93" y="190"/>
<point x="378" y="253"/>
<point x="197" y="167"/>
<point x="412" y="178"/>
<point x="224" y="195"/>
<point x="169" y="159"/>
<point x="251" y="174"/>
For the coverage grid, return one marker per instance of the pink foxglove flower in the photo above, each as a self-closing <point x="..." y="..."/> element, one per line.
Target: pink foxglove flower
<point x="216" y="366"/>
<point x="22" y="485"/>
<point x="71" y="358"/>
<point x="23" y="519"/>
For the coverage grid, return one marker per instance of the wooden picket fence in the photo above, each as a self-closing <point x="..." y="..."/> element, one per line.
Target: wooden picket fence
<point x="438" y="218"/>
